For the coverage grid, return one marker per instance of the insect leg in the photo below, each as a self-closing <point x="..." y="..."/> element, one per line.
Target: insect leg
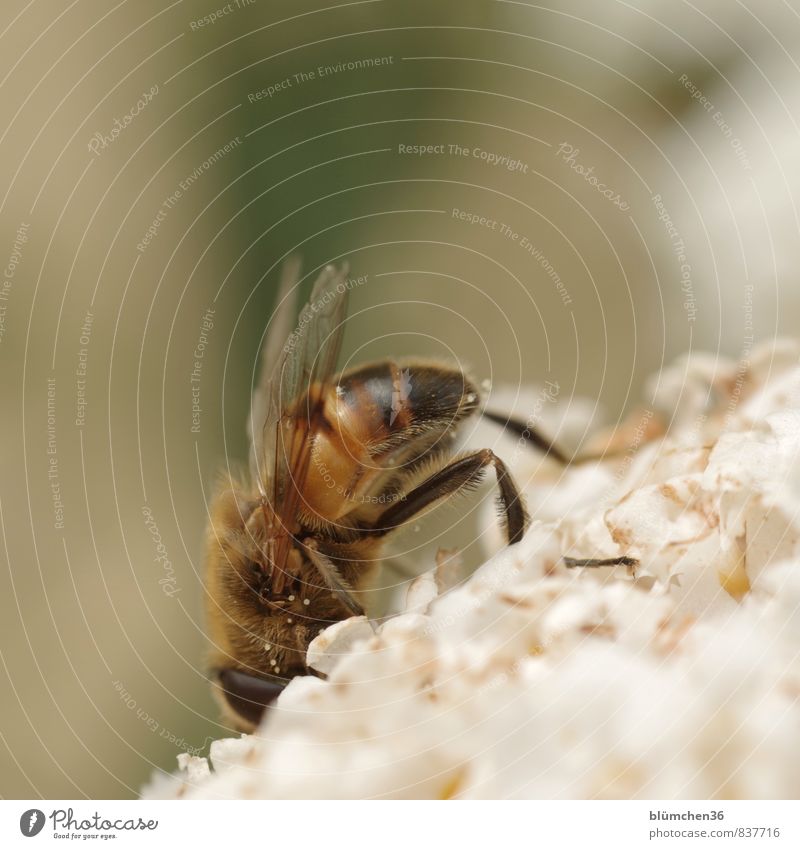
<point x="460" y="473"/>
<point x="331" y="576"/>
<point x="529" y="434"/>
<point x="580" y="563"/>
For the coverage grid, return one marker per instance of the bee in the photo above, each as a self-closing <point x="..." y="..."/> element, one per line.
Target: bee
<point x="338" y="462"/>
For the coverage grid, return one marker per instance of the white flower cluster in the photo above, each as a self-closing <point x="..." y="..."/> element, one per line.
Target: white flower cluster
<point x="679" y="678"/>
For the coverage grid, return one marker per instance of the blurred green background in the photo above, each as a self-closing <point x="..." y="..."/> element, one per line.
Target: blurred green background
<point x="102" y="630"/>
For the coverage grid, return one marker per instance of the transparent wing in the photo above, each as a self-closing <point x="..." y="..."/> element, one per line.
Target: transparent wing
<point x="281" y="324"/>
<point x="295" y="403"/>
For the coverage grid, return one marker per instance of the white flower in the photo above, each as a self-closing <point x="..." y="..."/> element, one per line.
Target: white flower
<point x="533" y="680"/>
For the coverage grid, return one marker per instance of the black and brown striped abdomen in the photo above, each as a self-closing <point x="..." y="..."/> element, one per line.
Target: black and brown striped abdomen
<point x="381" y="419"/>
<point x="395" y="401"/>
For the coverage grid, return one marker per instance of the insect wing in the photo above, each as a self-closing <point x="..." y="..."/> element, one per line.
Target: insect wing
<point x="263" y="419"/>
<point x="296" y="403"/>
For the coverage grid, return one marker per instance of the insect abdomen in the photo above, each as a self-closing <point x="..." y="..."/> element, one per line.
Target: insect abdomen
<point x="380" y="416"/>
<point x="390" y="398"/>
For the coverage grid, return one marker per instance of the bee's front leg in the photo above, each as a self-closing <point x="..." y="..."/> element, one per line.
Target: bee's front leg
<point x="331" y="576"/>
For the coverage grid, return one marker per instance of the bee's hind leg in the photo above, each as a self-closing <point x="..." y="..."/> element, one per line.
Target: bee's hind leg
<point x="460" y="474"/>
<point x="590" y="562"/>
<point x="530" y="434"/>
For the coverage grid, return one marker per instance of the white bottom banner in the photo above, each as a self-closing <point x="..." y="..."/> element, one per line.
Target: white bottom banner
<point x="329" y="824"/>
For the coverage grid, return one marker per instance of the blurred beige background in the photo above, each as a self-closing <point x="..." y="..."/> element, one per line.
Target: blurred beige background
<point x="526" y="243"/>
